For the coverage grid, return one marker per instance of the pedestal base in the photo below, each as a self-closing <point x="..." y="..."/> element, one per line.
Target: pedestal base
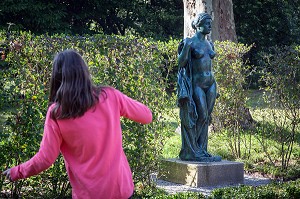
<point x="202" y="174"/>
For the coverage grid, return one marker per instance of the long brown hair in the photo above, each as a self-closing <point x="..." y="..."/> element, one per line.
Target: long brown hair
<point x="71" y="87"/>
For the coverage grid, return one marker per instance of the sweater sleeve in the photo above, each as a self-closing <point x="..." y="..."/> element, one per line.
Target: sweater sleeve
<point x="134" y="110"/>
<point x="47" y="154"/>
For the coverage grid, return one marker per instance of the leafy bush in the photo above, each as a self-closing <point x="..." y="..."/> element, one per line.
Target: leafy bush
<point x="269" y="15"/>
<point x="161" y="194"/>
<point x="282" y="86"/>
<point x="230" y="114"/>
<point x="275" y="190"/>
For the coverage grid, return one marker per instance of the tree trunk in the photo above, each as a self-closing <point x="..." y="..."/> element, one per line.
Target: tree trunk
<point x="221" y="11"/>
<point x="223" y="26"/>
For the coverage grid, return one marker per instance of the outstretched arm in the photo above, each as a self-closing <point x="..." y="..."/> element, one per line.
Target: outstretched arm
<point x="44" y="158"/>
<point x="133" y="109"/>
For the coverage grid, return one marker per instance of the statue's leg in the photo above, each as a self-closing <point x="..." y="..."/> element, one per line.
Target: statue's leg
<point x="202" y="122"/>
<point x="210" y="100"/>
<point x="211" y="95"/>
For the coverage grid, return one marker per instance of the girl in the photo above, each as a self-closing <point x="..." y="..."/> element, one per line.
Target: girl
<point x="83" y="123"/>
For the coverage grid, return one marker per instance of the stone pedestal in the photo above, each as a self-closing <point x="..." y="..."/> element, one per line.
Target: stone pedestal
<point x="202" y="174"/>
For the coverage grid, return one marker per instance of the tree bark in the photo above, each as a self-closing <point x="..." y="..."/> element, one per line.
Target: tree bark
<point x="221" y="11"/>
<point x="223" y="26"/>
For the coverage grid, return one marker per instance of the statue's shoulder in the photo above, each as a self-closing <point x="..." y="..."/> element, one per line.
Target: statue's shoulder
<point x="181" y="44"/>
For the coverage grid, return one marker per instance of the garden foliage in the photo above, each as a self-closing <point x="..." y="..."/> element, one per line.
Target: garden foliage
<point x="289" y="190"/>
<point x="154" y="18"/>
<point x="282" y="85"/>
<point x="261" y="23"/>
<point x="230" y="114"/>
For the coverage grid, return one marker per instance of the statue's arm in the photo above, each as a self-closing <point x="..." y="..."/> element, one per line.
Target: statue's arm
<point x="183" y="52"/>
<point x="212" y="45"/>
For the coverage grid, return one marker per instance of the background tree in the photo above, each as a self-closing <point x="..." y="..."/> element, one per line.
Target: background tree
<point x="161" y="18"/>
<point x="266" y="24"/>
<point x="153" y="18"/>
<point x="221" y="12"/>
<point x="33" y="15"/>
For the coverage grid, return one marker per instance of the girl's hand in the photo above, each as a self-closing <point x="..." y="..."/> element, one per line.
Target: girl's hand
<point x="7" y="174"/>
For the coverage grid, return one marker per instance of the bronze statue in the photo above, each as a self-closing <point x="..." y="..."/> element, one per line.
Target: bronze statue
<point x="197" y="91"/>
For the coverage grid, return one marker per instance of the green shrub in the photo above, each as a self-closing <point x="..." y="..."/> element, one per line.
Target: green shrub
<point x="289" y="190"/>
<point x="282" y="86"/>
<point x="161" y="194"/>
<point x="230" y="114"/>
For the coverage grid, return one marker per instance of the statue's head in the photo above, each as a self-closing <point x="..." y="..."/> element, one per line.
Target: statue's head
<point x="200" y="19"/>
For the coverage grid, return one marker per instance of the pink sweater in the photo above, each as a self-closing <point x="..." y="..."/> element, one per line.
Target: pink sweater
<point x="92" y="148"/>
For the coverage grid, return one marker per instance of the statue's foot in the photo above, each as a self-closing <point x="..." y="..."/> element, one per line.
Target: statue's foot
<point x="203" y="158"/>
<point x="217" y="158"/>
<point x="199" y="156"/>
<point x="206" y="154"/>
<point x="212" y="158"/>
<point x="209" y="159"/>
<point x="203" y="154"/>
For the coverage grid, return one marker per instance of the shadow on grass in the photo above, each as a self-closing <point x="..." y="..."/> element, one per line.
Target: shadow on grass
<point x="255" y="99"/>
